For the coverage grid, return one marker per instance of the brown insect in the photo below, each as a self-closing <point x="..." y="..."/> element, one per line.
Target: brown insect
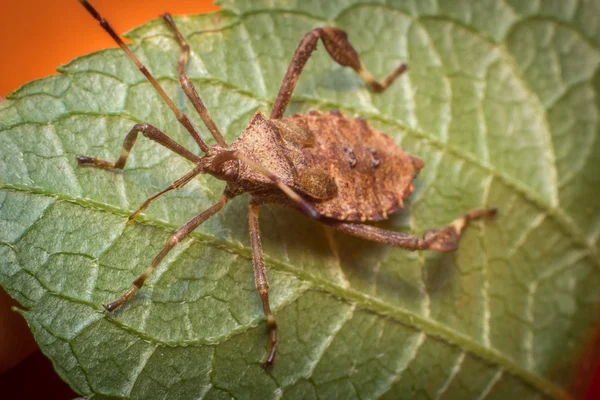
<point x="335" y="169"/>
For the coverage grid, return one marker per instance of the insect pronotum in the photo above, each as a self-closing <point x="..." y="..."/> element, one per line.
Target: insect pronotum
<point x="335" y="169"/>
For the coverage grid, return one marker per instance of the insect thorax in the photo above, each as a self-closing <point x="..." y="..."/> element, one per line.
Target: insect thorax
<point x="345" y="168"/>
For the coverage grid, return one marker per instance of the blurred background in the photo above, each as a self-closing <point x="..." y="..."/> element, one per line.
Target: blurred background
<point x="36" y="36"/>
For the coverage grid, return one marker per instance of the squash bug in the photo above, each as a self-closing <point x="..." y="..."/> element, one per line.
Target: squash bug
<point x="335" y="169"/>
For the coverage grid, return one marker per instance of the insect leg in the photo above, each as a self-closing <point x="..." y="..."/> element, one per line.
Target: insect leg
<point x="175" y="238"/>
<point x="178" y="184"/>
<point x="339" y="48"/>
<point x="188" y="87"/>
<point x="151" y="133"/>
<point x="181" y="117"/>
<point x="445" y="239"/>
<point x="260" y="278"/>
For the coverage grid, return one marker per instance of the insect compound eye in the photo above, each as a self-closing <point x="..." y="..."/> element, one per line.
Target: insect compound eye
<point x="375" y="161"/>
<point x="352" y="158"/>
<point x="229" y="171"/>
<point x="230" y="174"/>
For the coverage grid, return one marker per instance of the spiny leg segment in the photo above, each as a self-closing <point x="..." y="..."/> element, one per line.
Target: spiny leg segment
<point x="175" y="238"/>
<point x="260" y="278"/>
<point x="445" y="239"/>
<point x="339" y="48"/>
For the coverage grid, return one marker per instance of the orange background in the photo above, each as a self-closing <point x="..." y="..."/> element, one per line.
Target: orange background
<point x="36" y="36"/>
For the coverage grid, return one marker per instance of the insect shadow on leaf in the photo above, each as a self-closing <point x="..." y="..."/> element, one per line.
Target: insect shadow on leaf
<point x="335" y="169"/>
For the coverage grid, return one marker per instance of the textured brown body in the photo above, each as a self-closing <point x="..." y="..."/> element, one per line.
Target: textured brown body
<point x="333" y="168"/>
<point x="351" y="171"/>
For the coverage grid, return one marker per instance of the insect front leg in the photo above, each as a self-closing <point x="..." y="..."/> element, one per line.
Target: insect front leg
<point x="151" y="133"/>
<point x="260" y="278"/>
<point x="339" y="48"/>
<point x="445" y="239"/>
<point x="175" y="238"/>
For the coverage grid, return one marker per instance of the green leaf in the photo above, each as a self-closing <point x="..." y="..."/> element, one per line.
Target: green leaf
<point x="501" y="101"/>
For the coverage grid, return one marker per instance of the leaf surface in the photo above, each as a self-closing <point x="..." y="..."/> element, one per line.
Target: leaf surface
<point x="501" y="101"/>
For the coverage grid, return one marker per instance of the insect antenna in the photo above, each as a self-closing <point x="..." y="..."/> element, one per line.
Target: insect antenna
<point x="181" y="117"/>
<point x="188" y="87"/>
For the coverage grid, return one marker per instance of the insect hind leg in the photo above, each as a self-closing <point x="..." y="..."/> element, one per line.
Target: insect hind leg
<point x="444" y="239"/>
<point x="339" y="48"/>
